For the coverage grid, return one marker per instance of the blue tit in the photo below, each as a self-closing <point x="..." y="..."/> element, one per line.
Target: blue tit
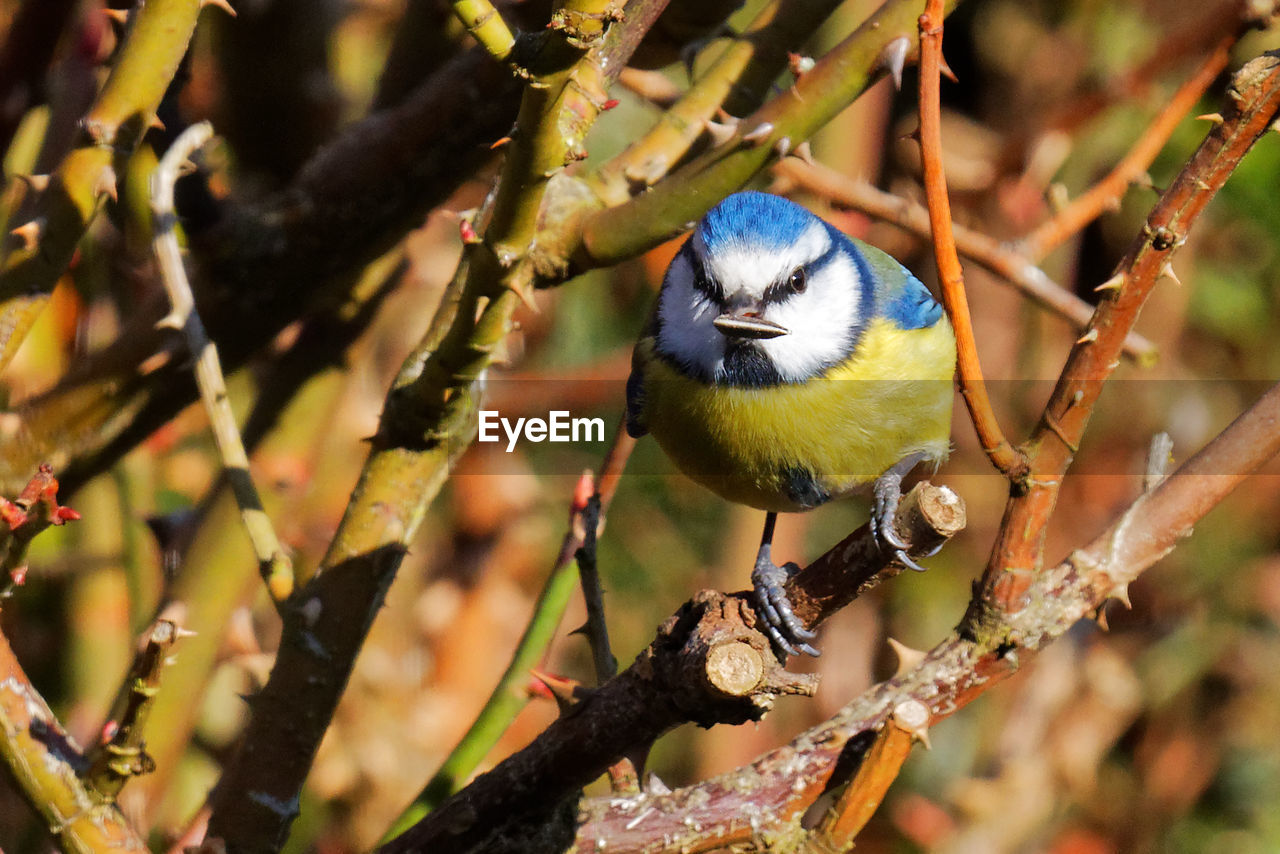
<point x="786" y="364"/>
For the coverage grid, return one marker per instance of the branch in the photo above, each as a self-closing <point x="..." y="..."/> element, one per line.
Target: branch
<point x="1254" y="98"/>
<point x="783" y="782"/>
<point x="973" y="389"/>
<point x="507" y="699"/>
<point x="154" y="46"/>
<point x="28" y="48"/>
<point x="43" y="761"/>
<point x="429" y="418"/>
<point x="22" y="519"/>
<point x="742" y="73"/>
<point x="1000" y="259"/>
<point x="709" y="664"/>
<point x="274" y="565"/>
<point x="613" y="234"/>
<point x="486" y="26"/>
<point x="1107" y="192"/>
<point x="123" y="756"/>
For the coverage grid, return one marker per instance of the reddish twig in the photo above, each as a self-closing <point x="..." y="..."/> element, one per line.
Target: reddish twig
<point x="709" y="664"/>
<point x="1254" y="104"/>
<point x="728" y="809"/>
<point x="1009" y="264"/>
<point x="1106" y="193"/>
<point x="867" y="789"/>
<point x="1003" y="455"/>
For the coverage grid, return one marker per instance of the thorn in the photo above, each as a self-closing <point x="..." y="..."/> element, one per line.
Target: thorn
<point x="526" y="296"/>
<point x="804" y="152"/>
<point x="800" y="64"/>
<point x="1216" y="118"/>
<point x="782" y="146"/>
<point x="117" y="16"/>
<point x="1167" y="270"/>
<point x="1100" y="617"/>
<point x="649" y="172"/>
<point x="63" y="515"/>
<point x="724" y="118"/>
<point x="908" y="658"/>
<point x="893" y="58"/>
<point x="1202" y="185"/>
<point x="1144" y="179"/>
<point x="172" y="320"/>
<point x="582" y="492"/>
<point x="221" y="4"/>
<point x="946" y="71"/>
<point x="566" y="692"/>
<point x="29" y="233"/>
<point x="720" y="133"/>
<point x="155" y="124"/>
<point x="1120" y="593"/>
<point x="653" y="785"/>
<point x="1088" y="338"/>
<point x="1114" y="283"/>
<point x="105" y="184"/>
<point x="179" y="632"/>
<point x="468" y="230"/>
<point x="913" y="716"/>
<point x="37" y="183"/>
<point x="759" y="133"/>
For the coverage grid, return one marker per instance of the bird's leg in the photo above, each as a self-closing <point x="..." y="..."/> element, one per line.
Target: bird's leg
<point x="780" y="623"/>
<point x="886" y="494"/>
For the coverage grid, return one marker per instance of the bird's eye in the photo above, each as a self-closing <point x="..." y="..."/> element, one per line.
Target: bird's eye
<point x="796" y="283"/>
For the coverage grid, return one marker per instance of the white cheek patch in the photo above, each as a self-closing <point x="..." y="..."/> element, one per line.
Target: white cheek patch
<point x="751" y="267"/>
<point x="821" y="322"/>
<point x="686" y="316"/>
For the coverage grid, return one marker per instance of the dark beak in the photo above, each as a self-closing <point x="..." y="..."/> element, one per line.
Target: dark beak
<point x="746" y="325"/>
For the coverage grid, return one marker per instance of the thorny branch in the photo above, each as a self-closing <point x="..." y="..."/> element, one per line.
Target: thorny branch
<point x="709" y="664"/>
<point x="1254" y="100"/>
<point x="759" y="806"/>
<point x="274" y="565"/>
<point x="973" y="388"/>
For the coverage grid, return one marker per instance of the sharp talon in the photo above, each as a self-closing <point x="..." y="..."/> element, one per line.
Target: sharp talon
<point x="905" y="559"/>
<point x="779" y="622"/>
<point x="890" y="538"/>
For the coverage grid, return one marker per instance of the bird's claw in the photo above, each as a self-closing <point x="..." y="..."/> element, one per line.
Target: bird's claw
<point x="884" y="512"/>
<point x="780" y="623"/>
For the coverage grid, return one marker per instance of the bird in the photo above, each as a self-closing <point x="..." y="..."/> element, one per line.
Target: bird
<point x="786" y="364"/>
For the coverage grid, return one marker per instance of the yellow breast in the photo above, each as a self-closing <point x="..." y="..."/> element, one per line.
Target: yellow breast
<point x="891" y="398"/>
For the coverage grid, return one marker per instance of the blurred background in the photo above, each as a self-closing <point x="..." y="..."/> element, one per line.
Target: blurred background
<point x="1157" y="735"/>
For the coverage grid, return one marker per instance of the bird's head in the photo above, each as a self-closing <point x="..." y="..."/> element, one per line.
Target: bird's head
<point x="763" y="293"/>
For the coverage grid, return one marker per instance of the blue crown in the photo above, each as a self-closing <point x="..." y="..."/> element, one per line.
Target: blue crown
<point x="755" y="219"/>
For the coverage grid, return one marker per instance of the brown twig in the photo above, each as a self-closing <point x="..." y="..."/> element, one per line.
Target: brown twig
<point x="1254" y="98"/>
<point x="709" y="664"/>
<point x="781" y="784"/>
<point x="1003" y="455"/>
<point x="1085" y="208"/>
<point x="878" y="770"/>
<point x="123" y="756"/>
<point x="1004" y="261"/>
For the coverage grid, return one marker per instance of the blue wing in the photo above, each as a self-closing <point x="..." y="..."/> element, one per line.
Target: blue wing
<point x="899" y="296"/>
